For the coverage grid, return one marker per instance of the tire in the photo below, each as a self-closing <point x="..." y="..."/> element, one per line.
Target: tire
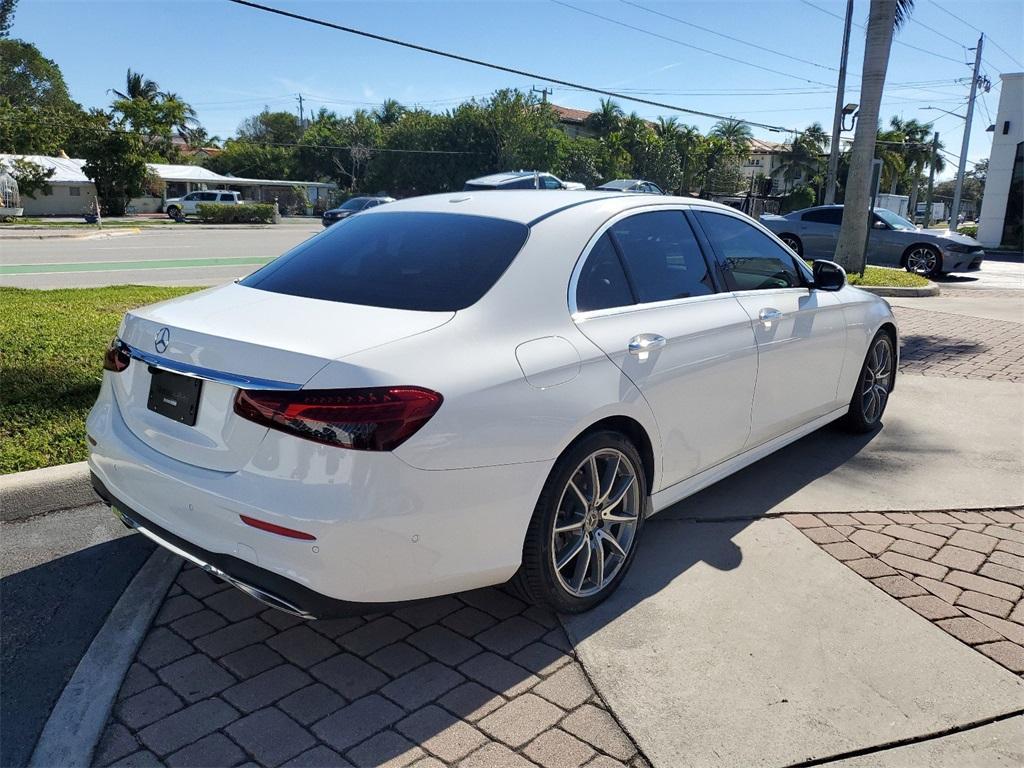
<point x="924" y="260"/>
<point x="877" y="376"/>
<point x="581" y="583"/>
<point x="174" y="212"/>
<point x="793" y="242"/>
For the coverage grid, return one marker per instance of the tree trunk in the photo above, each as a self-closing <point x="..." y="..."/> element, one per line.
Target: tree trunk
<point x="850" y="252"/>
<point x="915" y="188"/>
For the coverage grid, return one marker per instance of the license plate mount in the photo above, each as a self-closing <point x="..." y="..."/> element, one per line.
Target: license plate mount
<point x="174" y="396"/>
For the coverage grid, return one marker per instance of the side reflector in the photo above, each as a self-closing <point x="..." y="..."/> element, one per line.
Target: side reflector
<point x="280" y="530"/>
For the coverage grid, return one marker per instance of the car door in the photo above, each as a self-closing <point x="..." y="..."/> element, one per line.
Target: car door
<point x="885" y="244"/>
<point x="188" y="202"/>
<point x="800" y="332"/>
<point x="819" y="232"/>
<point x="646" y="295"/>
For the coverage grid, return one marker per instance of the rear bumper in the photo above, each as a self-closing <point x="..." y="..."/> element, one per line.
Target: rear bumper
<point x="385" y="532"/>
<point x="267" y="587"/>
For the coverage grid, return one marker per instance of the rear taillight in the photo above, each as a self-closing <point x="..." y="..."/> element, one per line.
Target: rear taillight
<point x="370" y="419"/>
<point x="116" y="358"/>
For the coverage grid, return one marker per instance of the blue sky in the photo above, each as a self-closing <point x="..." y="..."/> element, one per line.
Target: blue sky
<point x="229" y="61"/>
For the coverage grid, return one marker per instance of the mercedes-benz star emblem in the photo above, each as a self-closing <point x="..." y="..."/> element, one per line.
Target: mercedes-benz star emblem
<point x="163" y="338"/>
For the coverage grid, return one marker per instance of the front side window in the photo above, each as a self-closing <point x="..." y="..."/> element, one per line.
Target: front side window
<point x="207" y="196"/>
<point x="191" y="196"/>
<point x="431" y="262"/>
<point x="355" y="204"/>
<point x="895" y="221"/>
<point x="662" y="257"/>
<point x="602" y="284"/>
<point x="549" y="182"/>
<point x="752" y="260"/>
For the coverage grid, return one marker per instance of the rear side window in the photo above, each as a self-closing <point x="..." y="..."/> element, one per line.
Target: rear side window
<point x="228" y="198"/>
<point x="752" y="260"/>
<point x="207" y="196"/>
<point x="602" y="284"/>
<point x="662" y="257"/>
<point x="825" y="216"/>
<point x="434" y="262"/>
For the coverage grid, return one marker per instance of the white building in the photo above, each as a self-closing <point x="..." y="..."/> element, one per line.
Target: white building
<point x="72" y="193"/>
<point x="1002" y="208"/>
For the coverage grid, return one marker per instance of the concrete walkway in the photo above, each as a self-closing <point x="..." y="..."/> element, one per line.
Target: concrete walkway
<point x="742" y="643"/>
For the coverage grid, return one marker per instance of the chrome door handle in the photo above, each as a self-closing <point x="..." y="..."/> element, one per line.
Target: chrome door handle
<point x="646" y="342"/>
<point x="768" y="315"/>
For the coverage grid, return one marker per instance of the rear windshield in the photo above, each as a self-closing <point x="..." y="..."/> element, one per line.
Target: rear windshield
<point x="434" y="262"/>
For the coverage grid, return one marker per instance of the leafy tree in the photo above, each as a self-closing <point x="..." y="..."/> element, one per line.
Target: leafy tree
<point x="139" y="87"/>
<point x="580" y="159"/>
<point x="115" y="159"/>
<point x="735" y="133"/>
<point x="803" y="160"/>
<point x="29" y="79"/>
<point x="7" y="16"/>
<point x="256" y="161"/>
<point x="31" y="177"/>
<point x="271" y="128"/>
<point x="155" y="114"/>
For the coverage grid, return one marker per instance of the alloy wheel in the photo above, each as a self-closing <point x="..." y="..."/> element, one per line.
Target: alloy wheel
<point x="877" y="380"/>
<point x="791" y="243"/>
<point x="921" y="261"/>
<point x="596" y="522"/>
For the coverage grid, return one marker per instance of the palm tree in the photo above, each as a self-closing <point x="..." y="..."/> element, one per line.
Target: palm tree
<point x="803" y="159"/>
<point x="607" y="119"/>
<point x="885" y="17"/>
<point x="668" y="130"/>
<point x="138" y="87"/>
<point x="389" y="113"/>
<point x="736" y="134"/>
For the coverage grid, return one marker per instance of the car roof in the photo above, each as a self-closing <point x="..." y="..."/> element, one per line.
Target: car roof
<point x="528" y="205"/>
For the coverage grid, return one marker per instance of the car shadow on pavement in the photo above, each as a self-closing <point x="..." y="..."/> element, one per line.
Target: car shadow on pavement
<point x="51" y="612"/>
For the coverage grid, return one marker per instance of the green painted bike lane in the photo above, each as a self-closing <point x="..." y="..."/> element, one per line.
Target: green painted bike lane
<point x="120" y="266"/>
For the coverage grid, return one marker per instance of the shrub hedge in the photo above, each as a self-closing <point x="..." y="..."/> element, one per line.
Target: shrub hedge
<point x="247" y="213"/>
<point x="971" y="230"/>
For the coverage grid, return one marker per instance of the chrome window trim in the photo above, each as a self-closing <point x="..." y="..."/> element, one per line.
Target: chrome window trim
<point x="209" y="374"/>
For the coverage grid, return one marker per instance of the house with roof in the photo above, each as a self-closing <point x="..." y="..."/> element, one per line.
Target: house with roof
<point x="73" y="193"/>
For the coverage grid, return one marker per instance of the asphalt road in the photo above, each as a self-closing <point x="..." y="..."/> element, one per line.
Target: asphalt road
<point x="60" y="575"/>
<point x="186" y="255"/>
<point x="193" y="255"/>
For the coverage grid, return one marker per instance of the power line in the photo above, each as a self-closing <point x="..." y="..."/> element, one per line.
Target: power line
<point x="729" y="37"/>
<point x="498" y="67"/>
<point x="897" y="42"/>
<point x="976" y="29"/>
<point x="659" y="36"/>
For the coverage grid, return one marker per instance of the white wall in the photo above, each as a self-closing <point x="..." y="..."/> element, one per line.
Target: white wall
<point x="1000" y="164"/>
<point x="61" y="202"/>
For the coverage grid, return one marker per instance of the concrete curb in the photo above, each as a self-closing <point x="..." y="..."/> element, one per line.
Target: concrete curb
<point x="40" y="491"/>
<point x="932" y="289"/>
<point x="28" y="234"/>
<point x="76" y="723"/>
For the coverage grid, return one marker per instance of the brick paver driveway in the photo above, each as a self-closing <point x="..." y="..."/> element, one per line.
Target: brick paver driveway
<point x="964" y="571"/>
<point x="480" y="680"/>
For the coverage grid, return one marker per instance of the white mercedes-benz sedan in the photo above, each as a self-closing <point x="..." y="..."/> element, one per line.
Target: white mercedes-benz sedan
<point x="457" y="390"/>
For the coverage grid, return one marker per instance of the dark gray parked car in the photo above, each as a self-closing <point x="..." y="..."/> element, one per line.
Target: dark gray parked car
<point x="894" y="241"/>
<point x="352" y="206"/>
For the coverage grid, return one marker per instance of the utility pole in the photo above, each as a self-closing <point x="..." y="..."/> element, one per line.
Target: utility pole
<point x="302" y="117"/>
<point x="955" y="215"/>
<point x="931" y="181"/>
<point x="544" y="93"/>
<point x="837" y="119"/>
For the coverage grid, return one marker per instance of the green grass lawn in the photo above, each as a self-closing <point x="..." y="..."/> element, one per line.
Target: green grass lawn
<point x="33" y="223"/>
<point x="884" y="276"/>
<point x="52" y="344"/>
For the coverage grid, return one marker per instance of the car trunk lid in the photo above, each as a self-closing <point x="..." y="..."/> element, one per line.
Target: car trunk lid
<point x="235" y="337"/>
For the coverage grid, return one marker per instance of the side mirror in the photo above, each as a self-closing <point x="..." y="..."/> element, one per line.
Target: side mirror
<point x="880" y="225"/>
<point x="828" y="276"/>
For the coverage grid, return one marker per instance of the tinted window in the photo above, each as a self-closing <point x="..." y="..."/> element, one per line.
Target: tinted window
<point x="355" y="204"/>
<point x="192" y="196"/>
<point x="228" y="198"/>
<point x="549" y="182"/>
<point x="602" y="283"/>
<point x="824" y="216"/>
<point x="752" y="260"/>
<point x="437" y="262"/>
<point x="662" y="257"/>
<point x="207" y="196"/>
<point x="893" y="220"/>
<point x="527" y="182"/>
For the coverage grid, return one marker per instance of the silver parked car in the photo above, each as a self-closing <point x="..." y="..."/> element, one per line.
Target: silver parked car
<point x="894" y="241"/>
<point x="631" y="185"/>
